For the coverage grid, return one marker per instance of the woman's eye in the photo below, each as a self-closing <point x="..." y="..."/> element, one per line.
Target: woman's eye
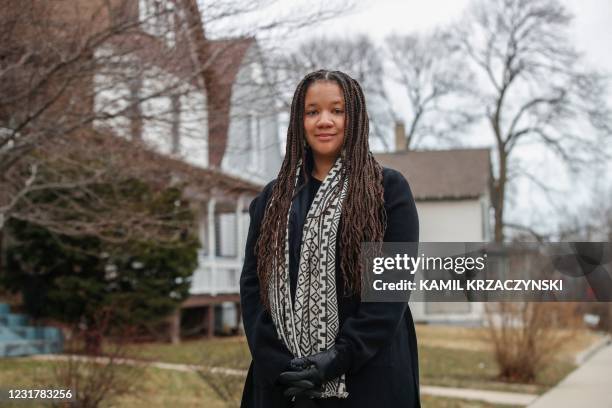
<point x="338" y="111"/>
<point x="311" y="113"/>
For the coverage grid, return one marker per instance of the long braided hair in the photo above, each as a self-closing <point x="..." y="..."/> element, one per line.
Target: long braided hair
<point x="363" y="216"/>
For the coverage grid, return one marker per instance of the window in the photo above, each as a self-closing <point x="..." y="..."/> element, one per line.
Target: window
<point x="254" y="148"/>
<point x="176" y="124"/>
<point x="134" y="109"/>
<point x="225" y="235"/>
<point x="158" y="19"/>
<point x="257" y="73"/>
<point x="7" y="138"/>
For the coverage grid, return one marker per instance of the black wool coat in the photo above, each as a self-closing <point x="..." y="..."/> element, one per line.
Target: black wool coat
<point x="377" y="341"/>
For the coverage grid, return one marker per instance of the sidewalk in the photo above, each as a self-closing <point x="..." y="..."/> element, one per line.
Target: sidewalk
<point x="589" y="386"/>
<point x="492" y="397"/>
<point x="140" y="363"/>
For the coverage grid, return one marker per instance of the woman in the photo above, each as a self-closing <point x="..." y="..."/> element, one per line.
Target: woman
<point x="313" y="342"/>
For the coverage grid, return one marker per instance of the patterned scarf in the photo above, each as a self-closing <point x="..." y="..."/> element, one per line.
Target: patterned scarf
<point x="311" y="324"/>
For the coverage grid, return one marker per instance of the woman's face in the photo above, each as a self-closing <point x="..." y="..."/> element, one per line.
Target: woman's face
<point x="324" y="119"/>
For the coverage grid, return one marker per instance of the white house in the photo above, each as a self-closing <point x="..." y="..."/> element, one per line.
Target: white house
<point x="243" y="144"/>
<point x="208" y="106"/>
<point x="452" y="190"/>
<point x="221" y="124"/>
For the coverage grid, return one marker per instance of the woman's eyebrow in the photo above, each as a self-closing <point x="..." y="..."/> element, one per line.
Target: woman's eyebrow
<point x="314" y="104"/>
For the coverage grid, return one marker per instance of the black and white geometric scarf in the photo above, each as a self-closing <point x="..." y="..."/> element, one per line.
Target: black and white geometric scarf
<point x="311" y="325"/>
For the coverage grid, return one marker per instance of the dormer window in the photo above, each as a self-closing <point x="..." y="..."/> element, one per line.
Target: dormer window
<point x="157" y="18"/>
<point x="7" y="138"/>
<point x="257" y="74"/>
<point x="254" y="147"/>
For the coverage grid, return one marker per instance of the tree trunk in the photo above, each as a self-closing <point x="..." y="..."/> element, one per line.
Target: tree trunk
<point x="1" y="253"/>
<point x="93" y="342"/>
<point x="500" y="192"/>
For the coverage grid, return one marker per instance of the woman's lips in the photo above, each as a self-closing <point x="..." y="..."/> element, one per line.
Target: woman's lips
<point x="325" y="136"/>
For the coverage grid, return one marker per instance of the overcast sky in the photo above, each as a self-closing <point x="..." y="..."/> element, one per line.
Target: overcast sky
<point x="592" y="28"/>
<point x="591" y="32"/>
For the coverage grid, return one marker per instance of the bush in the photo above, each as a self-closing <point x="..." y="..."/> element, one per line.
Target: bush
<point x="526" y="336"/>
<point x="98" y="381"/>
<point x="72" y="278"/>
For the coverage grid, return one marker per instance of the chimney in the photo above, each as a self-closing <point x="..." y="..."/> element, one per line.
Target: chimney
<point x="400" y="136"/>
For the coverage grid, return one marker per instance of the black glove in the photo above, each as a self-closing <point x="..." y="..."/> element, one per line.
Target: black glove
<point x="304" y="403"/>
<point x="316" y="369"/>
<point x="303" y="389"/>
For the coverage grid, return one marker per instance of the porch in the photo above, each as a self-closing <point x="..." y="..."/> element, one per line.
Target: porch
<point x="214" y="301"/>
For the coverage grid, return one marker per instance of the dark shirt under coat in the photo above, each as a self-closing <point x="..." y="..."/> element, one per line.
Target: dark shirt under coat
<point x="377" y="341"/>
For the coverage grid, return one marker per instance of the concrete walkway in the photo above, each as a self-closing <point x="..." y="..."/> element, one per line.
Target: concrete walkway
<point x="493" y="397"/>
<point x="589" y="386"/>
<point x="185" y="368"/>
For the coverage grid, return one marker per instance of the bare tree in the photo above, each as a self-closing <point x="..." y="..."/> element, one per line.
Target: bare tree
<point x="437" y="83"/>
<point x="95" y="379"/>
<point x="357" y="56"/>
<point x="59" y="113"/>
<point x="225" y="374"/>
<point x="534" y="88"/>
<point x="526" y="336"/>
<point x="88" y="88"/>
<point x="591" y="221"/>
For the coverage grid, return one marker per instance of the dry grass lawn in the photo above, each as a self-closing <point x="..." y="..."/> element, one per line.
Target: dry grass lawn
<point x="449" y="356"/>
<point x="476" y="339"/>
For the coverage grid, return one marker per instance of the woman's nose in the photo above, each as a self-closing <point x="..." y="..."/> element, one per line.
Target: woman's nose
<point x="325" y="120"/>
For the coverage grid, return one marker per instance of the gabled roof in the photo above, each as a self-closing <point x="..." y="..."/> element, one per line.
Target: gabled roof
<point x="219" y="62"/>
<point x="224" y="57"/>
<point x="154" y="52"/>
<point x="227" y="56"/>
<point x="453" y="174"/>
<point x="194" y="58"/>
<point x="165" y="169"/>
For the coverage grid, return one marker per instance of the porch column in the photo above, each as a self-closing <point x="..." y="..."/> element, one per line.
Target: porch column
<point x="210" y="330"/>
<point x="175" y="326"/>
<point x="238" y="315"/>
<point x="240" y="243"/>
<point x="240" y="238"/>
<point x="211" y="243"/>
<point x="203" y="225"/>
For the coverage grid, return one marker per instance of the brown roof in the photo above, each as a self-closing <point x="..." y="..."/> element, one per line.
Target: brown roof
<point x="155" y="53"/>
<point x="225" y="57"/>
<point x="442" y="174"/>
<point x="222" y="59"/>
<point x="217" y="60"/>
<point x="137" y="157"/>
<point x="182" y="59"/>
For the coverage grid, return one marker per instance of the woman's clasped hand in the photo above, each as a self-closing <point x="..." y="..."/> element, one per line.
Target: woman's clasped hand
<point x="305" y="375"/>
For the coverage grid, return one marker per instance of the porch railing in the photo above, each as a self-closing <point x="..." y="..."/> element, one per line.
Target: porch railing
<point x="216" y="275"/>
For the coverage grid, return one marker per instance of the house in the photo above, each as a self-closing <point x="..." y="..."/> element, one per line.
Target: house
<point x="222" y="119"/>
<point x="452" y="190"/>
<point x="146" y="74"/>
